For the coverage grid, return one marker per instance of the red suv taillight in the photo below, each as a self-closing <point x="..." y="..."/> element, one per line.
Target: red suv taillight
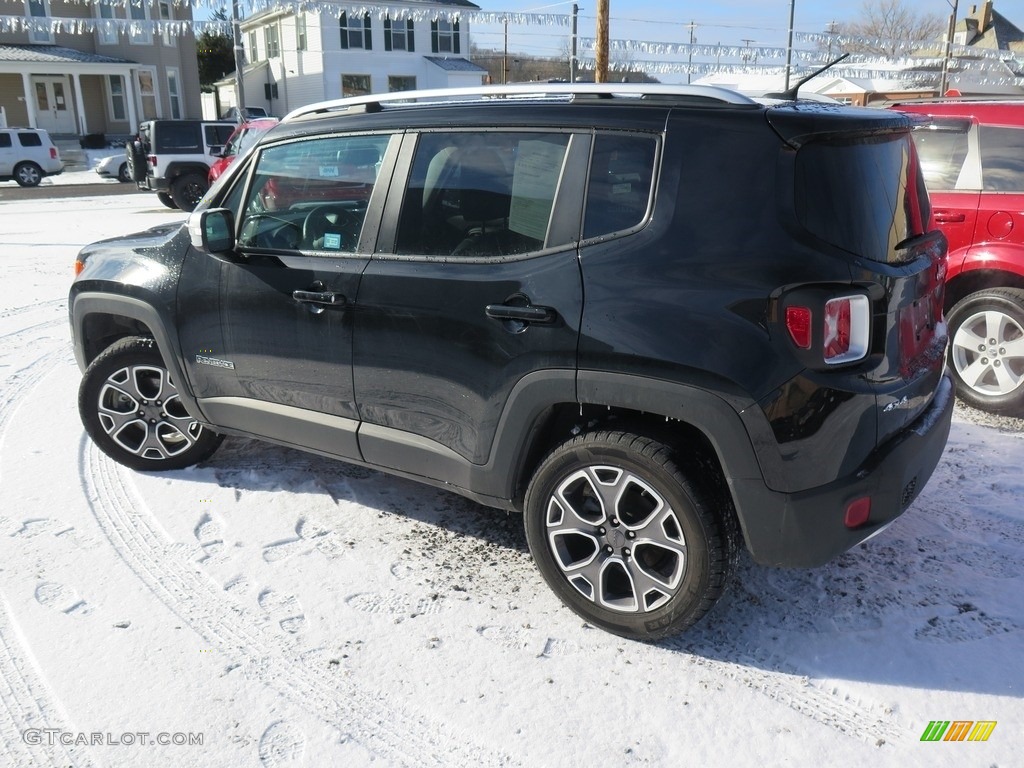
<point x="834" y="331"/>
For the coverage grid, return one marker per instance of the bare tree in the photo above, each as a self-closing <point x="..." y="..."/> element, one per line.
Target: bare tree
<point x="885" y="27"/>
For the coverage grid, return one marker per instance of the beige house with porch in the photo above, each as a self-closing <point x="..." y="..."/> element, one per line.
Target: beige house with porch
<point x="77" y="68"/>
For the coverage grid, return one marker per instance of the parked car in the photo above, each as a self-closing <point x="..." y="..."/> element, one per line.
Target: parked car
<point x="660" y="321"/>
<point x="246" y="114"/>
<point x="114" y="167"/>
<point x="972" y="157"/>
<point x="173" y="158"/>
<point x="27" y="155"/>
<point x="244" y="136"/>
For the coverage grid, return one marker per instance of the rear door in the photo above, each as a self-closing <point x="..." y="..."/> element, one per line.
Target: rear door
<point x="475" y="291"/>
<point x="6" y="153"/>
<point x="1001" y="207"/>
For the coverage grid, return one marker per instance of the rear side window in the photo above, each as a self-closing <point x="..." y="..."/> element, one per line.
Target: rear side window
<point x="481" y="194"/>
<point x="5" y="140"/>
<point x="1002" y="159"/>
<point x="942" y="147"/>
<point x="180" y="138"/>
<point x="30" y="139"/>
<point x="218" y="135"/>
<point x="619" y="189"/>
<point x="864" y="195"/>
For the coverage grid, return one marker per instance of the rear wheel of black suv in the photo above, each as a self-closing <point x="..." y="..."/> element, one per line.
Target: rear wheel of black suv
<point x="187" y="190"/>
<point x="624" y="537"/>
<point x="131" y="410"/>
<point x="987" y="350"/>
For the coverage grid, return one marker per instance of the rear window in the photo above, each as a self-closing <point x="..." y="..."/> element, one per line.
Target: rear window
<point x="178" y="138"/>
<point x="1002" y="159"/>
<point x="5" y="140"/>
<point x="864" y="195"/>
<point x="28" y="139"/>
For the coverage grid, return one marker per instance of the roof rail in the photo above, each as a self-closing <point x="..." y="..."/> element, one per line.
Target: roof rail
<point x="373" y="103"/>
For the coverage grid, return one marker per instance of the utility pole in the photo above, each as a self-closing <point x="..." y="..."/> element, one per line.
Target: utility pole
<point x="504" y="57"/>
<point x="572" y="50"/>
<point x="689" y="58"/>
<point x="601" y="63"/>
<point x="944" y="80"/>
<point x="236" y="34"/>
<point x="789" y="43"/>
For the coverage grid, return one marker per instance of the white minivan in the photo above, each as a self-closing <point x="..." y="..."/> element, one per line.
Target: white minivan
<point x="27" y="155"/>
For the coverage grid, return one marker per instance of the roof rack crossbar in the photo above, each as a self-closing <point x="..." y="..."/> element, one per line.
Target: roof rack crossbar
<point x="536" y="90"/>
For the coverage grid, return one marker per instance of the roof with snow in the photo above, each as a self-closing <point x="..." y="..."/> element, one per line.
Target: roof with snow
<point x="454" y="64"/>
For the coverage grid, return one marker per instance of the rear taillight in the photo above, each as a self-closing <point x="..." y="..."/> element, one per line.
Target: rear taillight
<point x="53" y="153"/>
<point x="847" y="326"/>
<point x="152" y="160"/>
<point x="833" y="330"/>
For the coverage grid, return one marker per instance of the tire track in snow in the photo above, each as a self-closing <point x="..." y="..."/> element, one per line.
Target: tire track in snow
<point x="27" y="703"/>
<point x="396" y="736"/>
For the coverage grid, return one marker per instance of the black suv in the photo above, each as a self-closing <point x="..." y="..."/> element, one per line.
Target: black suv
<point x="173" y="158"/>
<point x="661" y="322"/>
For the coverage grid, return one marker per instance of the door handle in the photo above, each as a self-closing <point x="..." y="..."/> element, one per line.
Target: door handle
<point x="946" y="217"/>
<point x="320" y="297"/>
<point x="527" y="314"/>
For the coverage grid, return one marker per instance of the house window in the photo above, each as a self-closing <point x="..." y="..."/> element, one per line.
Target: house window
<point x="398" y="35"/>
<point x="300" y="32"/>
<point x="355" y="33"/>
<point x="139" y="35"/>
<point x="355" y="85"/>
<point x="40" y="10"/>
<point x="254" y="51"/>
<point x="271" y="39"/>
<point x="146" y="84"/>
<point x="174" y="93"/>
<point x="401" y="83"/>
<point x="167" y="14"/>
<point x="444" y="36"/>
<point x="106" y="30"/>
<point x="115" y="93"/>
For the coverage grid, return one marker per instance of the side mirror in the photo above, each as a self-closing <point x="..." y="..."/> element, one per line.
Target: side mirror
<point x="212" y="230"/>
<point x="217" y="150"/>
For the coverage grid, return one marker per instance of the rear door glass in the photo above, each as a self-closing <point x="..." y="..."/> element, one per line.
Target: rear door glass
<point x="619" y="189"/>
<point x="942" y="147"/>
<point x="1002" y="159"/>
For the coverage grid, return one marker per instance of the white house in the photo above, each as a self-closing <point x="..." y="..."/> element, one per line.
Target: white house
<point x="327" y="51"/>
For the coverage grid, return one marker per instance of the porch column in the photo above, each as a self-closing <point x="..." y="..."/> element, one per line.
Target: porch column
<point x="129" y="98"/>
<point x="30" y="99"/>
<point x="83" y="127"/>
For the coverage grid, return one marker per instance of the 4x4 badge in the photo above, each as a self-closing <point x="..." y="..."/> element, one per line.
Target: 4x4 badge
<point x="215" y="362"/>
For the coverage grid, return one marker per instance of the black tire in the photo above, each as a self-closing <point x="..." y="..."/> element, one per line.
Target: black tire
<point x="986" y="351"/>
<point x="122" y="173"/>
<point x="660" y="556"/>
<point x="131" y="410"/>
<point x="167" y="200"/>
<point x="188" y="189"/>
<point x="28" y="174"/>
<point x="135" y="158"/>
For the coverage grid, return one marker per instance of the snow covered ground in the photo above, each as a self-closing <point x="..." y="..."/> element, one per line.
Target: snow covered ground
<point x="290" y="611"/>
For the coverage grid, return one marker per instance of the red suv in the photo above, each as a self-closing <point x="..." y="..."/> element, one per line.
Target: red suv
<point x="244" y="136"/>
<point x="972" y="157"/>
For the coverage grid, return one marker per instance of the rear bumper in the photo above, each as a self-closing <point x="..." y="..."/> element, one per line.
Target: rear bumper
<point x="807" y="529"/>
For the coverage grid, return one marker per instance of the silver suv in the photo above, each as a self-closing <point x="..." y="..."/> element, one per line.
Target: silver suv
<point x="27" y="155"/>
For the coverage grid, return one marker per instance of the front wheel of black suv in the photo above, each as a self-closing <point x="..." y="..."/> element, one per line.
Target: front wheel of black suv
<point x="131" y="409"/>
<point x="987" y="350"/>
<point x="624" y="537"/>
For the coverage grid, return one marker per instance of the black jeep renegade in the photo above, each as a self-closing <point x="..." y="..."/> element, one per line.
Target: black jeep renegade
<point x="662" y="322"/>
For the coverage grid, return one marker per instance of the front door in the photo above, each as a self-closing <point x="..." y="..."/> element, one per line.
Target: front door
<point x="481" y="289"/>
<point x="267" y="335"/>
<point x="53" y="104"/>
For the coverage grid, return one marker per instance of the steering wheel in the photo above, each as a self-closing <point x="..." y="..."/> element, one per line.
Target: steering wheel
<point x="327" y="220"/>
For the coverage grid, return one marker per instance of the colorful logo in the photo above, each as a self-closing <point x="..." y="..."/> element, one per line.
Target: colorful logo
<point x="958" y="730"/>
